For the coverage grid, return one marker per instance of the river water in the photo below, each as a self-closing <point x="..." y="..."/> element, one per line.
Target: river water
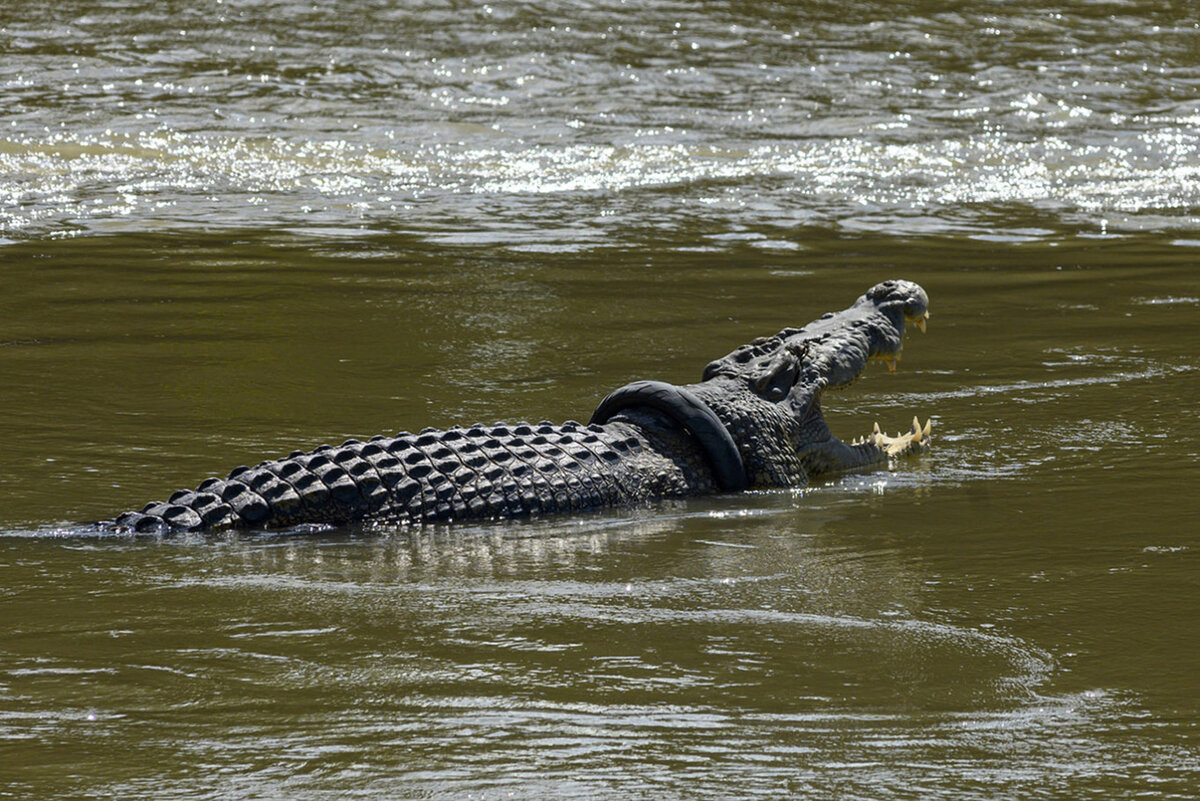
<point x="233" y="228"/>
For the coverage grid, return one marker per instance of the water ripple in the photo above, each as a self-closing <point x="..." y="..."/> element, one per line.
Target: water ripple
<point x="884" y="120"/>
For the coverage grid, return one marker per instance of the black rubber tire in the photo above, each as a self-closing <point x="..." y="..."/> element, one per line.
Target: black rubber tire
<point x="691" y="413"/>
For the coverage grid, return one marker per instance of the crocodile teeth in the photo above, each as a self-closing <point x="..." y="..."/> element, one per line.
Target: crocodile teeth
<point x="921" y="322"/>
<point x="914" y="440"/>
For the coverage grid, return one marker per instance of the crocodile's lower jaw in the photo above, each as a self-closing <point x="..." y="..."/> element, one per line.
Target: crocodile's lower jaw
<point x="916" y="440"/>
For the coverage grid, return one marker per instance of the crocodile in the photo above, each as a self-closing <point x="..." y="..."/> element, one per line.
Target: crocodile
<point x="753" y="421"/>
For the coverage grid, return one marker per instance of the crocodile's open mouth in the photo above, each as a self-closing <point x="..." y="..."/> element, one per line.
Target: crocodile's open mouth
<point x="917" y="438"/>
<point x="837" y="350"/>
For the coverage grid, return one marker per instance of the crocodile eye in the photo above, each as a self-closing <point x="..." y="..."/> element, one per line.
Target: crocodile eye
<point x="776" y="393"/>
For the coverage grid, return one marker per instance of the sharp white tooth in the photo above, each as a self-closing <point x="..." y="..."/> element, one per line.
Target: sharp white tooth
<point x="928" y="427"/>
<point x="876" y="431"/>
<point x="891" y="363"/>
<point x="921" y="324"/>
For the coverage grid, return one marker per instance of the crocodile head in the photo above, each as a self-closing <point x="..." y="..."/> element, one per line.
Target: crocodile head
<point x="795" y="367"/>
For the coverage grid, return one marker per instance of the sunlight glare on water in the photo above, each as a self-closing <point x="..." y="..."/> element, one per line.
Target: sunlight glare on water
<point x="554" y="113"/>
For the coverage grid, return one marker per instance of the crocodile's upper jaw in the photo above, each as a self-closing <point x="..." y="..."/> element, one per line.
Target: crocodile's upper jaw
<point x="831" y="351"/>
<point x="839" y="345"/>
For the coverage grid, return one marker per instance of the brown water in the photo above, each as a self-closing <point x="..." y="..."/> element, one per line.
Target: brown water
<point x="577" y="197"/>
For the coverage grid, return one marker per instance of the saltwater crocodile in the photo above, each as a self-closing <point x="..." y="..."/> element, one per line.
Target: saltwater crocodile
<point x="753" y="421"/>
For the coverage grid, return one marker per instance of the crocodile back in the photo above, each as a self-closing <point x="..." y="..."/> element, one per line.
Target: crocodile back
<point x="459" y="473"/>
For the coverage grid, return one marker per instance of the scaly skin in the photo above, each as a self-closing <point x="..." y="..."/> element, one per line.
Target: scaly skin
<point x="766" y="395"/>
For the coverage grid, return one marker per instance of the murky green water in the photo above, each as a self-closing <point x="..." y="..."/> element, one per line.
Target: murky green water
<point x="232" y="229"/>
